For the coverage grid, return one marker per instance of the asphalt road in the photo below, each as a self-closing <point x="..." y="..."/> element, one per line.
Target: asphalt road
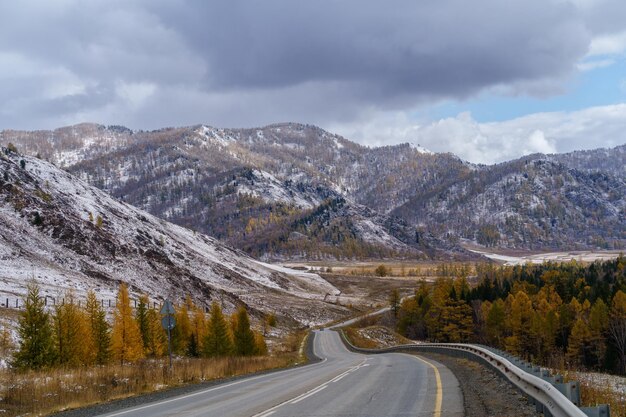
<point x="343" y="384"/>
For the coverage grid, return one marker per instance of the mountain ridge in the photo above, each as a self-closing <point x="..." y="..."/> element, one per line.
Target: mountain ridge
<point x="241" y="185"/>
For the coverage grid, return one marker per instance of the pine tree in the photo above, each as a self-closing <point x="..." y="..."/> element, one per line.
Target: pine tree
<point x="198" y="331"/>
<point x="579" y="343"/>
<point x="242" y="334"/>
<point x="617" y="327"/>
<point x="260" y="347"/>
<point x="73" y="338"/>
<point x="217" y="340"/>
<point x="126" y="343"/>
<point x="598" y="325"/>
<point x="100" y="331"/>
<point x="520" y="319"/>
<point x="181" y="333"/>
<point x="36" y="345"/>
<point x="394" y="302"/>
<point x="157" y="337"/>
<point x="6" y="343"/>
<point x="141" y="315"/>
<point x="496" y="323"/>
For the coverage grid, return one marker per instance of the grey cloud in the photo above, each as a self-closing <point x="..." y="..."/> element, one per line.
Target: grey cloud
<point x="449" y="48"/>
<point x="241" y="63"/>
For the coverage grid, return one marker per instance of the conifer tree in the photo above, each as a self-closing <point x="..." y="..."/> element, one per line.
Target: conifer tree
<point x="157" y="338"/>
<point x="73" y="338"/>
<point x="598" y="325"/>
<point x="617" y="326"/>
<point x="242" y="334"/>
<point x="496" y="323"/>
<point x="394" y="302"/>
<point x="181" y="333"/>
<point x="198" y="332"/>
<point x="100" y="330"/>
<point x="126" y="343"/>
<point x="36" y="345"/>
<point x="260" y="347"/>
<point x="217" y="340"/>
<point x="579" y="346"/>
<point x="6" y="344"/>
<point x="141" y="315"/>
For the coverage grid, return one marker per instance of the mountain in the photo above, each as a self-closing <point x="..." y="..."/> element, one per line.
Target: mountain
<point x="532" y="203"/>
<point x="612" y="161"/>
<point x="296" y="191"/>
<point x="65" y="233"/>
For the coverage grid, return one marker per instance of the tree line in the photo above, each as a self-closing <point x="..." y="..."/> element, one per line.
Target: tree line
<point x="556" y="314"/>
<point x="72" y="335"/>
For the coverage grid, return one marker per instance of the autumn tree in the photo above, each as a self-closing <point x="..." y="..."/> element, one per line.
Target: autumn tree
<point x="126" y="343"/>
<point x="598" y="326"/>
<point x="100" y="329"/>
<point x="217" y="340"/>
<point x="156" y="338"/>
<point x="36" y="344"/>
<point x="198" y="331"/>
<point x="181" y="333"/>
<point x="394" y="302"/>
<point x="496" y="323"/>
<point x="243" y="336"/>
<point x="73" y="338"/>
<point x="141" y="316"/>
<point x="6" y="342"/>
<point x="520" y="319"/>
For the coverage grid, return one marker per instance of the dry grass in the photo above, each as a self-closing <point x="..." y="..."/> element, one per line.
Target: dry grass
<point x="357" y="340"/>
<point x="39" y="393"/>
<point x="601" y="389"/>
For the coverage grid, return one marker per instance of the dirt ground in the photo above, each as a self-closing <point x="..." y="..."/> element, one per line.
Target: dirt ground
<point x="365" y="292"/>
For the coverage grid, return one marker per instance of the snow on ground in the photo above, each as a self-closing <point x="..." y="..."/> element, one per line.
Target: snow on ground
<point x="581" y="256"/>
<point x="28" y="252"/>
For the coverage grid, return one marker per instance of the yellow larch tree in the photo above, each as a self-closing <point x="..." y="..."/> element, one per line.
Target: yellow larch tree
<point x="126" y="342"/>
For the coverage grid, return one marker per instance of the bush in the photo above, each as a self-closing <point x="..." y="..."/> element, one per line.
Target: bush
<point x="381" y="271"/>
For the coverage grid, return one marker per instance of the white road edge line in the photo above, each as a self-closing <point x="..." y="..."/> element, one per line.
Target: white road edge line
<point x="158" y="403"/>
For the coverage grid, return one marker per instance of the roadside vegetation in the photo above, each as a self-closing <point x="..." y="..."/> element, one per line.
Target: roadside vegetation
<point x="570" y="317"/>
<point x="73" y="356"/>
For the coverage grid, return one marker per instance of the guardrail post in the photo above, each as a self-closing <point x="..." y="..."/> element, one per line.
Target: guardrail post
<point x="599" y="411"/>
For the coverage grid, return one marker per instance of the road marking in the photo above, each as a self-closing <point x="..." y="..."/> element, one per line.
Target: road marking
<point x="439" y="397"/>
<point x="307" y="395"/>
<point x="182" y="397"/>
<point x="310" y="392"/>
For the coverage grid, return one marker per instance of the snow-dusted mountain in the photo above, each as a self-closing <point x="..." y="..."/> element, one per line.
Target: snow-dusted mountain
<point x="297" y="191"/>
<point x="65" y="234"/>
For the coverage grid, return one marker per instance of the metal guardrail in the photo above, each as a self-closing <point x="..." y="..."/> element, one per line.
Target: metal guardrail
<point x="551" y="396"/>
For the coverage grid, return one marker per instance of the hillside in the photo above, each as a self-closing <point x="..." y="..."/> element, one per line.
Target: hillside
<point x="528" y="203"/>
<point x="67" y="234"/>
<point x="296" y="191"/>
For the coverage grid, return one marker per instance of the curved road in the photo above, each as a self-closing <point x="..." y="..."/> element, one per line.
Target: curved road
<point x="343" y="384"/>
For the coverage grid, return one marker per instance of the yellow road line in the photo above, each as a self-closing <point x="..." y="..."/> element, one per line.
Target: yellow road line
<point x="439" y="397"/>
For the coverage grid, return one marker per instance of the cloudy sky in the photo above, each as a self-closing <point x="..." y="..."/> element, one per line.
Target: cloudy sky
<point x="489" y="80"/>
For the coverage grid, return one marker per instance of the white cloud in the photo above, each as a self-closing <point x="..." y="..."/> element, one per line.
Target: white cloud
<point x="493" y="142"/>
<point x="609" y="44"/>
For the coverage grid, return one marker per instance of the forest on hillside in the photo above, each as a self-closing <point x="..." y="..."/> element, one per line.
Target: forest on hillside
<point x="567" y="315"/>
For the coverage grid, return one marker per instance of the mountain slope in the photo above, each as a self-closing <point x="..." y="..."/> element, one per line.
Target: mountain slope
<point x="297" y="191"/>
<point x="528" y="203"/>
<point x="68" y="234"/>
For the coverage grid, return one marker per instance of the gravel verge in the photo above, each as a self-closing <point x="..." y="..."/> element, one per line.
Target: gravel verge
<point x="485" y="394"/>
